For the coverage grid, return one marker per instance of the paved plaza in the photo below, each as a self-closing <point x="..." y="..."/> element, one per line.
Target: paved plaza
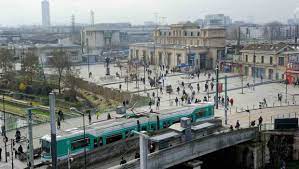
<point x="248" y="100"/>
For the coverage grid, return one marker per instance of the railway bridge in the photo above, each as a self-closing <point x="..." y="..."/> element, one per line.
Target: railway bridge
<point x="187" y="151"/>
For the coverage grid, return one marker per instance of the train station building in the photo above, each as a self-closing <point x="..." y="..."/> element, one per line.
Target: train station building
<point x="182" y="44"/>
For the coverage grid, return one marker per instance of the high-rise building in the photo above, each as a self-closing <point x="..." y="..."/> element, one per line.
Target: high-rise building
<point x="45" y="13"/>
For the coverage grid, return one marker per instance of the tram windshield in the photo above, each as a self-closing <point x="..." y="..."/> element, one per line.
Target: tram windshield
<point x="45" y="146"/>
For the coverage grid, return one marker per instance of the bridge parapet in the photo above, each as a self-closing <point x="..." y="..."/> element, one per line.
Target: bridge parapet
<point x="187" y="151"/>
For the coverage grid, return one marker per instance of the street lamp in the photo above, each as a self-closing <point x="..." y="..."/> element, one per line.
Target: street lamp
<point x="143" y="145"/>
<point x="73" y="109"/>
<point x="217" y="83"/>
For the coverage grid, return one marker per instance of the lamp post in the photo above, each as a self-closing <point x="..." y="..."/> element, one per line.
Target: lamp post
<point x="254" y="71"/>
<point x="143" y="145"/>
<point x="4" y="127"/>
<point x="217" y="83"/>
<point x="73" y="109"/>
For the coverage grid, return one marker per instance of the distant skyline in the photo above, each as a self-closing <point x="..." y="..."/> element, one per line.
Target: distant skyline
<point x="28" y="12"/>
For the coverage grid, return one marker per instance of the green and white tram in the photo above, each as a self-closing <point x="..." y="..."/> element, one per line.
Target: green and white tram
<point x="71" y="142"/>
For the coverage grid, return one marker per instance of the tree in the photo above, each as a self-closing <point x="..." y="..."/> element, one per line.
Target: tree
<point x="30" y="66"/>
<point x="6" y="60"/>
<point x="72" y="81"/>
<point x="61" y="63"/>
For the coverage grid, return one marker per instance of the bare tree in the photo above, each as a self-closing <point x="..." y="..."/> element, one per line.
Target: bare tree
<point x="72" y="81"/>
<point x="6" y="60"/>
<point x="30" y="66"/>
<point x="60" y="62"/>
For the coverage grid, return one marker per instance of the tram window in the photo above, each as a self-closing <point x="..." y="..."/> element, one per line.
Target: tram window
<point x="100" y="141"/>
<point x="153" y="127"/>
<point x="95" y="143"/>
<point x="200" y="114"/>
<point x="143" y="128"/>
<point x="45" y="146"/>
<point x="80" y="143"/>
<point x="165" y="125"/>
<point x="113" y="138"/>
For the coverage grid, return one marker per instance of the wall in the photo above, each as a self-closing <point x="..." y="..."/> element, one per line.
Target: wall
<point x="193" y="149"/>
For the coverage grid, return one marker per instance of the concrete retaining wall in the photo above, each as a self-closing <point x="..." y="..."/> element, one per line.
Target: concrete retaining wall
<point x="193" y="149"/>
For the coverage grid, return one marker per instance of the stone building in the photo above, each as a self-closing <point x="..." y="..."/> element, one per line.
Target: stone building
<point x="268" y="61"/>
<point x="179" y="44"/>
<point x="94" y="40"/>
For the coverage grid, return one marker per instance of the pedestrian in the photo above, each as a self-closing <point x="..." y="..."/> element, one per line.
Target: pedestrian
<point x="0" y="153"/>
<point x="183" y="84"/>
<point x="58" y="122"/>
<point x="20" y="150"/>
<point x="198" y="88"/>
<point x="237" y="124"/>
<point x="252" y="123"/>
<point x="212" y="86"/>
<point x="260" y="120"/>
<point x="222" y="100"/>
<point x="206" y="87"/>
<point x="161" y="90"/>
<point x="205" y="99"/>
<point x="158" y="103"/>
<point x="178" y="89"/>
<point x="248" y="86"/>
<point x="119" y="86"/>
<point x="231" y="101"/>
<point x="123" y="161"/>
<point x="60" y="114"/>
<point x="265" y="102"/>
<point x="176" y="101"/>
<point x="150" y="103"/>
<point x="153" y="94"/>
<point x="89" y="116"/>
<point x="231" y="127"/>
<point x="182" y="99"/>
<point x="18" y="135"/>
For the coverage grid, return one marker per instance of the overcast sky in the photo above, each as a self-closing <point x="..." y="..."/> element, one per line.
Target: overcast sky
<point x="20" y="12"/>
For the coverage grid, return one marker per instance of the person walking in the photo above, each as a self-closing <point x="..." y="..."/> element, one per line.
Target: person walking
<point x="158" y="103"/>
<point x="89" y="116"/>
<point x="60" y="114"/>
<point x="212" y="86"/>
<point x="231" y="101"/>
<point x="176" y="101"/>
<point x="58" y="123"/>
<point x="150" y="103"/>
<point x="237" y="124"/>
<point x="198" y="88"/>
<point x="0" y="153"/>
<point x="119" y="86"/>
<point x="178" y="89"/>
<point x="260" y="120"/>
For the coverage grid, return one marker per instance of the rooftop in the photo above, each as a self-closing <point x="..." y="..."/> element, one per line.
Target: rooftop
<point x="266" y="47"/>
